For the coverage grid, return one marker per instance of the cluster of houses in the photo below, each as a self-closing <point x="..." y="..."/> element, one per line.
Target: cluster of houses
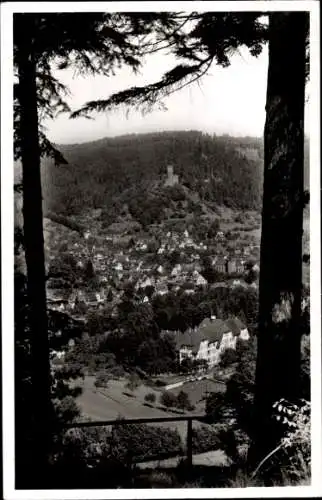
<point x="210" y="339"/>
<point x="150" y="271"/>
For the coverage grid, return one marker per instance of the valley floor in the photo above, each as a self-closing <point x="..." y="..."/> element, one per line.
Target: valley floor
<point x="115" y="402"/>
<point x="112" y="403"/>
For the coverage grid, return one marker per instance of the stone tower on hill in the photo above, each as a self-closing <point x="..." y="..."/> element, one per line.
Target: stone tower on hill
<point x="172" y="178"/>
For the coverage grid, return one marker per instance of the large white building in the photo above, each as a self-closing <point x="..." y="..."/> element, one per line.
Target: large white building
<point x="210" y="339"/>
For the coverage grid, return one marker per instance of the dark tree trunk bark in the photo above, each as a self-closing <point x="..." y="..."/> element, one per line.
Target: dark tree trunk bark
<point x="280" y="287"/>
<point x="34" y="243"/>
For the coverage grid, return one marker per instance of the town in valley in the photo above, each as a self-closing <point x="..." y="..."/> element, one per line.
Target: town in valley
<point x="153" y="299"/>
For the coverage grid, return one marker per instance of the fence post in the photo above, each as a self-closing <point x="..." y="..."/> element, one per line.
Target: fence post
<point x="189" y="442"/>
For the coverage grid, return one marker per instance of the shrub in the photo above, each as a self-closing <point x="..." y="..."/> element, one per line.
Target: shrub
<point x="187" y="365"/>
<point x="294" y="450"/>
<point x="240" y="219"/>
<point x="142" y="442"/>
<point x="160" y="479"/>
<point x="242" y="479"/>
<point x="204" y="439"/>
<point x="133" y="382"/>
<point x="176" y="193"/>
<point x="159" y="383"/>
<point x="228" y="357"/>
<point x="102" y="380"/>
<point x="183" y="402"/>
<point x="117" y="371"/>
<point x="168" y="399"/>
<point x="213" y="228"/>
<point x="150" y="397"/>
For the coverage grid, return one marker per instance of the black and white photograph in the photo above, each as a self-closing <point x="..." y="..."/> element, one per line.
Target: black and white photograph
<point x="161" y="264"/>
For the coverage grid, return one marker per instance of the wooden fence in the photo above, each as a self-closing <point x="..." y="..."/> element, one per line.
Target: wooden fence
<point x="184" y="418"/>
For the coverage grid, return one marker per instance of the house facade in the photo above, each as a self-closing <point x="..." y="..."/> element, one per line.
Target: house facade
<point x="210" y="339"/>
<point x="220" y="265"/>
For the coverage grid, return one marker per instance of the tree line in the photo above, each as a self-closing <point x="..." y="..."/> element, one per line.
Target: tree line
<point x="142" y="334"/>
<point x="101" y="171"/>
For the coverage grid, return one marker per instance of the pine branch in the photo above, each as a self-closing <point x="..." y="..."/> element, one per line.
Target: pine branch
<point x="139" y="97"/>
<point x="49" y="150"/>
<point x="170" y="38"/>
<point x="214" y="37"/>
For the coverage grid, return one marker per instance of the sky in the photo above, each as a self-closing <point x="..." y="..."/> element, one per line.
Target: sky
<point x="226" y="101"/>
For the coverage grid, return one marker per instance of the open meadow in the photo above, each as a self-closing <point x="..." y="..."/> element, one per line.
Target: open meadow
<point x="116" y="401"/>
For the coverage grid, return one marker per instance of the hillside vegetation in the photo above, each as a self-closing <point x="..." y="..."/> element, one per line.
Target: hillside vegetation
<point x="222" y="170"/>
<point x="125" y="176"/>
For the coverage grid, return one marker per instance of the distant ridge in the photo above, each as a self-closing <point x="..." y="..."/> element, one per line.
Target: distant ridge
<point x="221" y="169"/>
<point x="98" y="172"/>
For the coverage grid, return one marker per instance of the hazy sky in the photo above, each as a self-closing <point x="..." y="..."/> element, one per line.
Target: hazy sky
<point x="227" y="100"/>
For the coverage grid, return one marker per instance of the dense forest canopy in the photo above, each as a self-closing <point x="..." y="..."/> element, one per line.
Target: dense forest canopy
<point x="228" y="170"/>
<point x="100" y="171"/>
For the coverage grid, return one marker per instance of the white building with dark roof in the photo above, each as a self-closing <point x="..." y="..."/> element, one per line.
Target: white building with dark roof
<point x="210" y="339"/>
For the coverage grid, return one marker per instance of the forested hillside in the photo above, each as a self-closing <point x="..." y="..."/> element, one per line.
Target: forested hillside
<point x="100" y="174"/>
<point x="223" y="169"/>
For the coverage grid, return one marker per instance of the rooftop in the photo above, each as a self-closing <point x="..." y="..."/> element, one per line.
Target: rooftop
<point x="211" y="329"/>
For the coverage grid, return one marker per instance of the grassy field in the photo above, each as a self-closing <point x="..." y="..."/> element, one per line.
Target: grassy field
<point x="115" y="401"/>
<point x="112" y="403"/>
<point x="198" y="390"/>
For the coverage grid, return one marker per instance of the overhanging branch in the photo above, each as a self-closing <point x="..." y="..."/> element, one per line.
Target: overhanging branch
<point x="147" y="96"/>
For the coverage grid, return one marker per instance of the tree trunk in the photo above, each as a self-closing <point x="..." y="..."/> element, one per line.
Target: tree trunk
<point x="34" y="243"/>
<point x="280" y="287"/>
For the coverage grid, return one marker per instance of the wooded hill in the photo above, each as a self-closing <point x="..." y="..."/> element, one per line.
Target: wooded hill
<point x="221" y="169"/>
<point x="224" y="170"/>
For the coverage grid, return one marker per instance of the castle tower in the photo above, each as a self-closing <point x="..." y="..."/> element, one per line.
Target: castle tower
<point x="172" y="178"/>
